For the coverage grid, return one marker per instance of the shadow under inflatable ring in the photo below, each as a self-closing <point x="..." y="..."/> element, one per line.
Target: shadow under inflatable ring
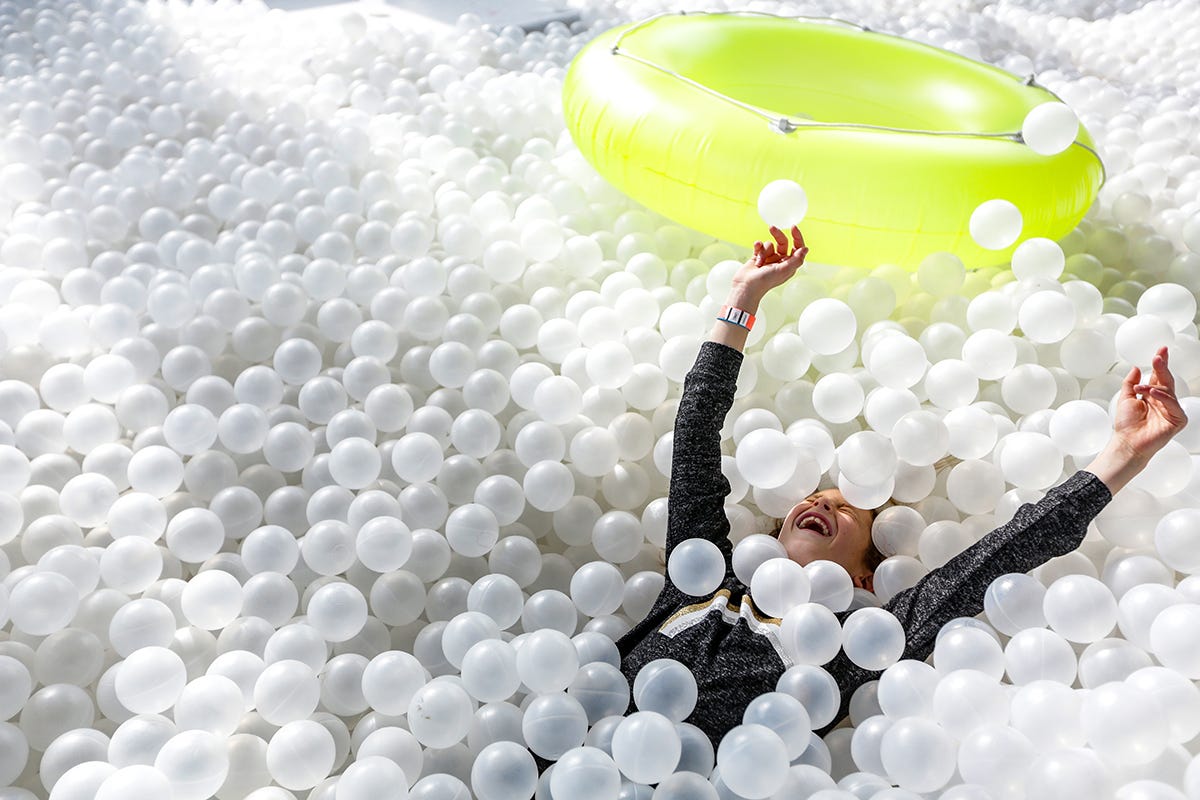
<point x="895" y="142"/>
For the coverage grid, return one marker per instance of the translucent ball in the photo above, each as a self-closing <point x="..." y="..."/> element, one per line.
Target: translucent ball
<point x="941" y="274"/>
<point x="1037" y="654"/>
<point x="918" y="754"/>
<point x="971" y="432"/>
<point x="338" y="611"/>
<point x="472" y="529"/>
<point x="1013" y="603"/>
<point x="548" y="485"/>
<point x="1138" y="338"/>
<point x="212" y="703"/>
<point x="966" y="700"/>
<point x="867" y="458"/>
<point x="1080" y="608"/>
<point x="838" y="398"/>
<point x="390" y="681"/>
<point x="547" y="661"/>
<point x="827" y="326"/>
<point x="1046" y="316"/>
<point x="830" y="585"/>
<point x="951" y="383"/>
<point x="417" y="457"/>
<point x="1080" y="427"/>
<point x="42" y="603"/>
<point x="1038" y="257"/>
<point x="766" y="458"/>
<point x="80" y="781"/>
<point x="475" y="432"/>
<point x="749" y="553"/>
<point x="753" y="761"/>
<point x="1123" y="724"/>
<point x="87" y="498"/>
<point x="489" y="671"/>
<point x="355" y="463"/>
<point x="995" y="224"/>
<point x="136" y="782"/>
<point x="1168" y="473"/>
<point x="897" y="362"/>
<point x="16" y="686"/>
<point x="150" y="680"/>
<point x="1172" y="639"/>
<point x="301" y="754"/>
<point x="920" y="437"/>
<point x="609" y="364"/>
<point x="995" y="757"/>
<point x="782" y="203"/>
<point x="873" y="638"/>
<point x="1030" y="460"/>
<point x="974" y="487"/>
<point x="139" y="739"/>
<point x="810" y="634"/>
<point x="1175" y="539"/>
<point x="1176" y="694"/>
<point x="646" y="747"/>
<point x="371" y="776"/>
<point x="785" y="357"/>
<point x="666" y="686"/>
<point x="383" y="544"/>
<point x="594" y="451"/>
<point x="1174" y="303"/>
<point x="696" y="567"/>
<point x="242" y="428"/>
<point x="189" y="429"/>
<point x="584" y="770"/>
<point x="286" y="691"/>
<point x="1050" y="128"/>
<point x="557" y="399"/>
<point x="779" y="585"/>
<point x="211" y="600"/>
<point x="553" y="724"/>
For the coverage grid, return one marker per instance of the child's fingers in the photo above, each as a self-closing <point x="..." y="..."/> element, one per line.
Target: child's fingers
<point x="1129" y="386"/>
<point x="1161" y="373"/>
<point x="797" y="237"/>
<point x="781" y="239"/>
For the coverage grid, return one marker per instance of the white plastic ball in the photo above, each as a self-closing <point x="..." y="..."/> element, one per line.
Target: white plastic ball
<point x="995" y="224"/>
<point x="1050" y="128"/>
<point x="782" y="203"/>
<point x="873" y="638"/>
<point x="827" y="326"/>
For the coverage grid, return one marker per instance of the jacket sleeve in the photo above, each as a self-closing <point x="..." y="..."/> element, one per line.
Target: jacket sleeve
<point x="1053" y="526"/>
<point x="696" y="497"/>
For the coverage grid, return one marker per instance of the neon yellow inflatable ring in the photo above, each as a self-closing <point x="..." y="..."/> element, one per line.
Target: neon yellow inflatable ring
<point x="895" y="142"/>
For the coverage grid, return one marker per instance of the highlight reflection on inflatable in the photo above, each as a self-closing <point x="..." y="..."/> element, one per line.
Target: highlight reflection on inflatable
<point x="896" y="143"/>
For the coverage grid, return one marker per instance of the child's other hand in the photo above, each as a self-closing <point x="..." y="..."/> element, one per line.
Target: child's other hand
<point x="1148" y="413"/>
<point x="771" y="264"/>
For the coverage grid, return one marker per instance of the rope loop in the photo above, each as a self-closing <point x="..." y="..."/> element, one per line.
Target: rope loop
<point x="786" y="126"/>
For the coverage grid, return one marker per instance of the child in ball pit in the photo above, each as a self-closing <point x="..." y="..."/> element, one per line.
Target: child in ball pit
<point x="731" y="647"/>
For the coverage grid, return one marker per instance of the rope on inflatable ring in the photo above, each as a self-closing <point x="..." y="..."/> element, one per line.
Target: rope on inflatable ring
<point x="786" y="125"/>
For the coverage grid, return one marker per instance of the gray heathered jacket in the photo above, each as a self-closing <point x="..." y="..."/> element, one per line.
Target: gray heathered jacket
<point x="731" y="647"/>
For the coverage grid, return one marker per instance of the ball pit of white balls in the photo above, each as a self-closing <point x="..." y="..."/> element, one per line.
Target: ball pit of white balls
<point x="336" y="406"/>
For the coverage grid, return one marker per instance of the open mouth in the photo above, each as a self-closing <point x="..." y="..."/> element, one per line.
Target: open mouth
<point x="811" y="520"/>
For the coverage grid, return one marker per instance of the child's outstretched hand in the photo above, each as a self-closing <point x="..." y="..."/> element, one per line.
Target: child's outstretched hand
<point x="1146" y="423"/>
<point x="771" y="264"/>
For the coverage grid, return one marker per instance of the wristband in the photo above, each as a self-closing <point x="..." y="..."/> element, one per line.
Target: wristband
<point x="736" y="316"/>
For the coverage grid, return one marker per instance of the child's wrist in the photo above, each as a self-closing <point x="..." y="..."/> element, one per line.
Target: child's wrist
<point x="744" y="297"/>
